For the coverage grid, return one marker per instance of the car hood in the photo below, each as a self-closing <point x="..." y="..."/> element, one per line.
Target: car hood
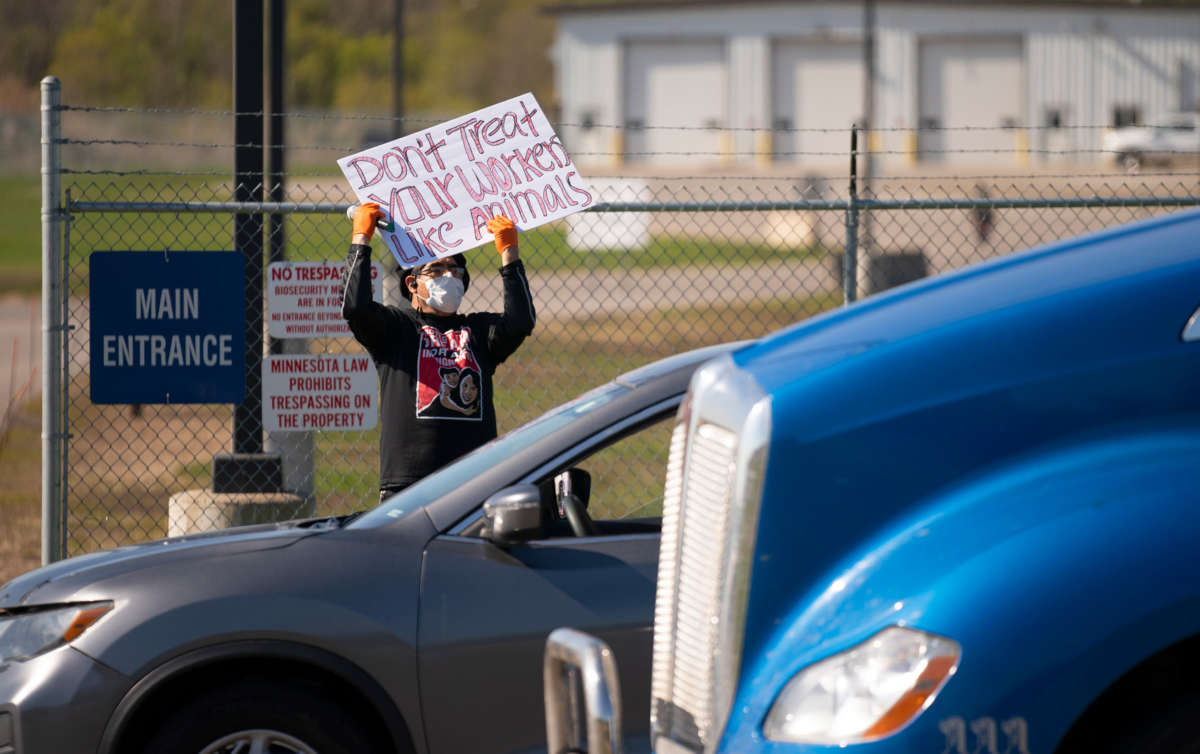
<point x="59" y="582"/>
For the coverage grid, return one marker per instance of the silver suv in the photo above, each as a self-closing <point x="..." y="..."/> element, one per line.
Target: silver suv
<point x="415" y="627"/>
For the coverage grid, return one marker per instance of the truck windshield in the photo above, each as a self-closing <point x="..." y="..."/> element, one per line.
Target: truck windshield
<point x="486" y="456"/>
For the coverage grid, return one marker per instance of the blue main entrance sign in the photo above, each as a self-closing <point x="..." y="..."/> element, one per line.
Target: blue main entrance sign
<point x="167" y="327"/>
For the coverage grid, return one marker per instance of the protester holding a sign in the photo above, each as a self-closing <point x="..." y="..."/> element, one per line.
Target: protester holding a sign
<point x="435" y="365"/>
<point x="434" y="194"/>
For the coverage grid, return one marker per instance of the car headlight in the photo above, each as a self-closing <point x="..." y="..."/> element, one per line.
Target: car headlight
<point x="867" y="692"/>
<point x="29" y="632"/>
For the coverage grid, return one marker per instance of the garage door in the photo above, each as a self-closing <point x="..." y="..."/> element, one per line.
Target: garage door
<point x="978" y="83"/>
<point x="815" y="85"/>
<point x="674" y="83"/>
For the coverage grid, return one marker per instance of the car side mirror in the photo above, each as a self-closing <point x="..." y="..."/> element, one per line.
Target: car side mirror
<point x="513" y="515"/>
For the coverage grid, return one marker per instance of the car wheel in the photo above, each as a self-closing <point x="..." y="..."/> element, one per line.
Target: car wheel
<point x="263" y="717"/>
<point x="1131" y="162"/>
<point x="254" y="741"/>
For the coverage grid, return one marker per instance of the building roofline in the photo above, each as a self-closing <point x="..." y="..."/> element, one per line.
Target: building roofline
<point x="603" y="6"/>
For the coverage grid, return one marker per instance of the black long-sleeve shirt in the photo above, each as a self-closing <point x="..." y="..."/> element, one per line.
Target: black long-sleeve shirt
<point x="435" y="372"/>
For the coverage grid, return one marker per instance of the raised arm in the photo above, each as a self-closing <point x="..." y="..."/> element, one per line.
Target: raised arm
<point x="517" y="321"/>
<point x="366" y="317"/>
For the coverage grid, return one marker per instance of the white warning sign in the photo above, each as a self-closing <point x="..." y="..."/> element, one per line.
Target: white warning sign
<point x="304" y="299"/>
<point x="310" y="392"/>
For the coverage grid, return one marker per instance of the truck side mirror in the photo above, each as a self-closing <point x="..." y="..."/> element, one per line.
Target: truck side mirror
<point x="513" y="515"/>
<point x="579" y="674"/>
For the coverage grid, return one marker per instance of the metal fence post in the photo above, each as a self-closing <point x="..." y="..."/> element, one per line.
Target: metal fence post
<point x="850" y="260"/>
<point x="52" y="326"/>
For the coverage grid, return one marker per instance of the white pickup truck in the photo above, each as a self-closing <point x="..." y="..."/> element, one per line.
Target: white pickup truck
<point x="1168" y="137"/>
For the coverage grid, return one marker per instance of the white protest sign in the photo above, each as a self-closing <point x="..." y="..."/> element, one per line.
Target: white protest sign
<point x="440" y="186"/>
<point x="304" y="299"/>
<point x="304" y="393"/>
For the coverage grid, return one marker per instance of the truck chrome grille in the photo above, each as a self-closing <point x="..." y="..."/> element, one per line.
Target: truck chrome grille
<point x="664" y="602"/>
<point x="697" y="513"/>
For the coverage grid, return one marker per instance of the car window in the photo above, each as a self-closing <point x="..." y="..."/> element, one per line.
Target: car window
<point x="485" y="457"/>
<point x="620" y="484"/>
<point x="1174" y="123"/>
<point x="628" y="476"/>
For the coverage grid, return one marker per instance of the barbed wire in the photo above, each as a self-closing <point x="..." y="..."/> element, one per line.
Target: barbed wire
<point x="873" y="152"/>
<point x="802" y="177"/>
<point x="698" y="153"/>
<point x="182" y="173"/>
<point x="841" y="130"/>
<point x="301" y="115"/>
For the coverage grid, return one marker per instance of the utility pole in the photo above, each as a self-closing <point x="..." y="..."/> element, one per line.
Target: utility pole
<point x="248" y="226"/>
<point x="868" y="109"/>
<point x="868" y="93"/>
<point x="276" y="165"/>
<point x="248" y="469"/>
<point x="295" y="449"/>
<point x="247" y="484"/>
<point x="398" y="70"/>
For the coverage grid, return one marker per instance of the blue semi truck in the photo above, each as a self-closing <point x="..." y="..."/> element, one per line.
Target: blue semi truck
<point x="961" y="517"/>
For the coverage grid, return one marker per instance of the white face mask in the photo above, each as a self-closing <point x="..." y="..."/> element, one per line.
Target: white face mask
<point x="445" y="293"/>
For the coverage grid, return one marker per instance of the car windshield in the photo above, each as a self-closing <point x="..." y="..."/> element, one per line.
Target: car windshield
<point x="1176" y="122"/>
<point x="485" y="457"/>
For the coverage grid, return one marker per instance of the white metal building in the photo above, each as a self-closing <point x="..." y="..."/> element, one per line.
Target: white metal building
<point x="1034" y="81"/>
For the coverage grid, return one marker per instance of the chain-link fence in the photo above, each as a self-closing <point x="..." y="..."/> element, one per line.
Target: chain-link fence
<point x="671" y="260"/>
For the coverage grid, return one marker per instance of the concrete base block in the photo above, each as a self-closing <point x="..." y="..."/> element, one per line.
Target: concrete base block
<point x="195" y="511"/>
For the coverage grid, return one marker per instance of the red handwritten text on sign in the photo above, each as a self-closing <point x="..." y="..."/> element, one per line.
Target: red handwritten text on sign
<point x="442" y="185"/>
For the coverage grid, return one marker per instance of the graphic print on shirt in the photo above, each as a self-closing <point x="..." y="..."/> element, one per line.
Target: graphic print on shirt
<point x="449" y="380"/>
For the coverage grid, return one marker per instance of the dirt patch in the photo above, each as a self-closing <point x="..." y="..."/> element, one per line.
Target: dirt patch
<point x="20" y="492"/>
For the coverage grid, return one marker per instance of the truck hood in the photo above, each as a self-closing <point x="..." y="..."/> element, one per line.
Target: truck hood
<point x="59" y="581"/>
<point x="1019" y="284"/>
<point x="878" y="406"/>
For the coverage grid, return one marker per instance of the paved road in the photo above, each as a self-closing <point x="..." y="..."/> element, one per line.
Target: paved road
<point x="589" y="293"/>
<point x="20" y="348"/>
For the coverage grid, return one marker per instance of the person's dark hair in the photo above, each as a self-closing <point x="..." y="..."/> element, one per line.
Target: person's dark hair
<point x="404" y="272"/>
<point x="473" y="374"/>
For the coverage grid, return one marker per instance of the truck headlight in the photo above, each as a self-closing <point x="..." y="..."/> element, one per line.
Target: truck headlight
<point x="30" y="632"/>
<point x="867" y="692"/>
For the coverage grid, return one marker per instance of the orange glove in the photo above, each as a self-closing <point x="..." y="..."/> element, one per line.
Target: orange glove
<point x="365" y="217"/>
<point x="504" y="231"/>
